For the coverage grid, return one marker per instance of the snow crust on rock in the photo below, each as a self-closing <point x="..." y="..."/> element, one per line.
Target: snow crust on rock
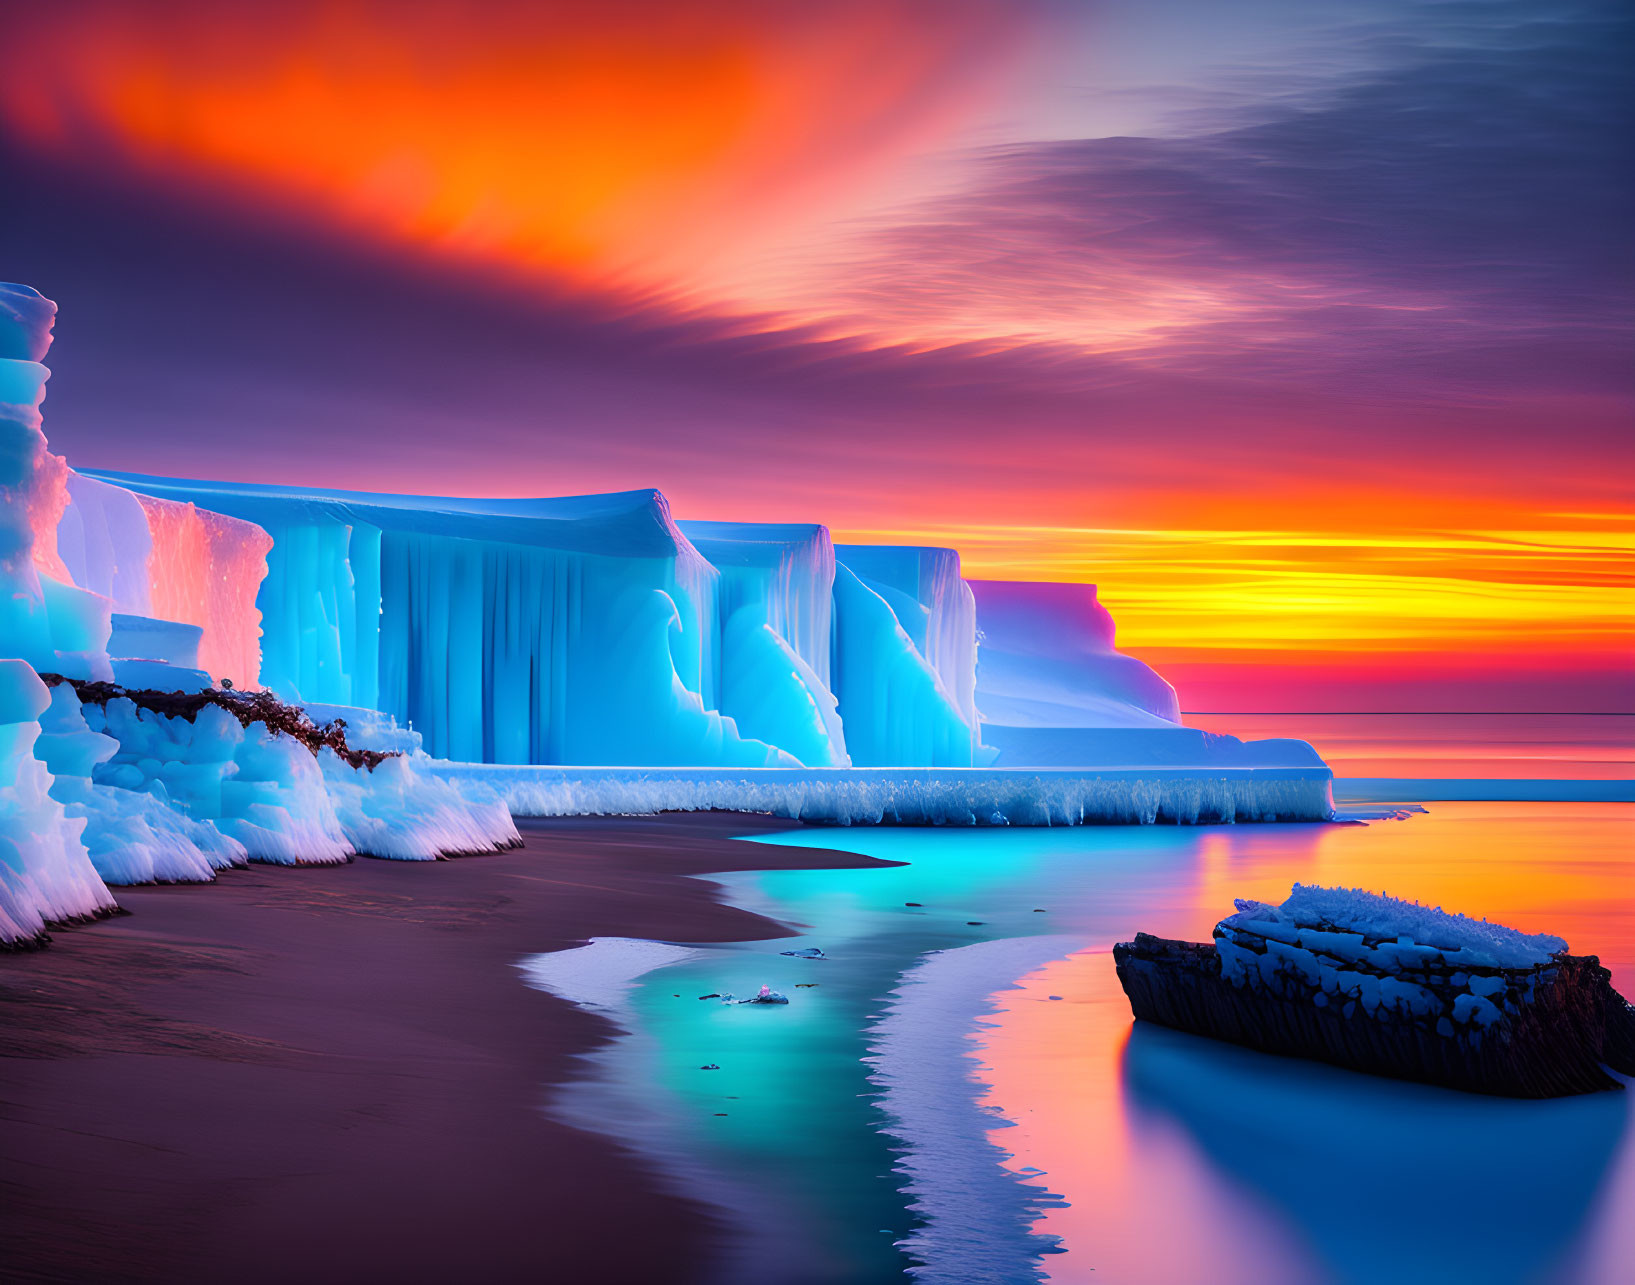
<point x="1393" y="921"/>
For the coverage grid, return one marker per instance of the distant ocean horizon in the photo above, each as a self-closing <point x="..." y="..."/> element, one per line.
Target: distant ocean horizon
<point x="1421" y="745"/>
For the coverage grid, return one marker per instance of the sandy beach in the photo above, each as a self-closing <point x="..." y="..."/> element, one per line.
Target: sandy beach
<point x="336" y="1074"/>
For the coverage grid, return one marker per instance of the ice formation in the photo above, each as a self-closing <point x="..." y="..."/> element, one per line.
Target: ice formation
<point x="262" y="793"/>
<point x="775" y="614"/>
<point x="685" y="665"/>
<point x="131" y="835"/>
<point x="917" y="796"/>
<point x="45" y="876"/>
<point x="101" y="586"/>
<point x="599" y="630"/>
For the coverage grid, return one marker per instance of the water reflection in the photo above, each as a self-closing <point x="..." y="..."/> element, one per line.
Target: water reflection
<point x="1385" y="1181"/>
<point x="1176" y="1160"/>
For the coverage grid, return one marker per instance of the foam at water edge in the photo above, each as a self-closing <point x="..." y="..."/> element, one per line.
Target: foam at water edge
<point x="977" y="1213"/>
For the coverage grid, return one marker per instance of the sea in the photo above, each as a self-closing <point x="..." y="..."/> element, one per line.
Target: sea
<point x="955" y="1090"/>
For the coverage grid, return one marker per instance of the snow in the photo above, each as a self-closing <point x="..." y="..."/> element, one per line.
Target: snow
<point x="1395" y="922"/>
<point x="399" y="811"/>
<point x="265" y="796"/>
<point x="46" y="877"/>
<point x="131" y="836"/>
<point x="915" y="796"/>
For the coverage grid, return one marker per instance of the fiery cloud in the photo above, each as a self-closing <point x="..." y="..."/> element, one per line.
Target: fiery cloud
<point x="631" y="143"/>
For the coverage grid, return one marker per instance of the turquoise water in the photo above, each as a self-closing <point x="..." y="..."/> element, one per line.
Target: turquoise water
<point x="1014" y="1126"/>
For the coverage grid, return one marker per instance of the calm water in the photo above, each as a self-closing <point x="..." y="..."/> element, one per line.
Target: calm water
<point x="1582" y="747"/>
<point x="971" y="1101"/>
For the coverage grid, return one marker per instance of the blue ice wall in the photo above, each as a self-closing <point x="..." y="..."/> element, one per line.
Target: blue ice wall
<point x="581" y="630"/>
<point x="894" y="707"/>
<point x="775" y="612"/>
<point x="934" y="608"/>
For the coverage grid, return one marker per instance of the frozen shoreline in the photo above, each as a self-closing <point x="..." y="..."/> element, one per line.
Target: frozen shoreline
<point x="977" y="1215"/>
<point x="916" y="796"/>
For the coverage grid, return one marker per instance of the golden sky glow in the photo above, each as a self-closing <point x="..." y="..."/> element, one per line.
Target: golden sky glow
<point x="1570" y="589"/>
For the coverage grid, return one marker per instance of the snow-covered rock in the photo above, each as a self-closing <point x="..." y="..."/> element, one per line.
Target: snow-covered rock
<point x="1391" y="987"/>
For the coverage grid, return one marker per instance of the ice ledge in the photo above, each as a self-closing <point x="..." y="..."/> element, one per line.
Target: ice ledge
<point x="916" y="796"/>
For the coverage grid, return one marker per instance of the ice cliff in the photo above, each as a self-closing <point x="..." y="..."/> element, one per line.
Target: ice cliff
<point x="593" y="633"/>
<point x="102" y="589"/>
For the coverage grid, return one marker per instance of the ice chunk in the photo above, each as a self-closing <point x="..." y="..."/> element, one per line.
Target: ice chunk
<point x="775" y="613"/>
<point x="46" y="877"/>
<point x="894" y="706"/>
<point x="916" y="796"/>
<point x="941" y="622"/>
<point x="1047" y="659"/>
<point x="131" y="836"/>
<point x="157" y="676"/>
<point x="147" y="638"/>
<point x="397" y="810"/>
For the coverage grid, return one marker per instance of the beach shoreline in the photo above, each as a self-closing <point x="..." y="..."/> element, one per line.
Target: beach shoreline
<point x="342" y="1066"/>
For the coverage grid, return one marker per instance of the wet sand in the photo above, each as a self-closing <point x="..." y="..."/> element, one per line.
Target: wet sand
<point x="336" y="1074"/>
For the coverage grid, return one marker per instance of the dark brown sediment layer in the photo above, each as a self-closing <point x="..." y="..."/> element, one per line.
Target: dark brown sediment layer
<point x="335" y="1074"/>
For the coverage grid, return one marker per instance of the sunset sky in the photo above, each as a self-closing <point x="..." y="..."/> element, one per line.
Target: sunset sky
<point x="1302" y="328"/>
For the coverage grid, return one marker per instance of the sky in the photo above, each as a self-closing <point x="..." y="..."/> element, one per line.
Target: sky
<point x="1301" y="328"/>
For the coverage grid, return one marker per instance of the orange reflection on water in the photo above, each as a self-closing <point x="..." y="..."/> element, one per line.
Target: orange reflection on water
<point x="1144" y="1198"/>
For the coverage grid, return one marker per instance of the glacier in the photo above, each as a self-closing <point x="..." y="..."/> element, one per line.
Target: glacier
<point x="114" y="608"/>
<point x="459" y="660"/>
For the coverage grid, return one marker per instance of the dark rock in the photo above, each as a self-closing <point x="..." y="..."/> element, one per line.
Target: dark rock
<point x="1553" y="1044"/>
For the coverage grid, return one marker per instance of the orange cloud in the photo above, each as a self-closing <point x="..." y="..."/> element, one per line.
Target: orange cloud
<point x="651" y="146"/>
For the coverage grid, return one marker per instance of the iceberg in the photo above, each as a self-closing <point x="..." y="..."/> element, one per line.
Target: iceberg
<point x="461" y="659"/>
<point x="118" y="612"/>
<point x="550" y="630"/>
<point x="1048" y="659"/>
